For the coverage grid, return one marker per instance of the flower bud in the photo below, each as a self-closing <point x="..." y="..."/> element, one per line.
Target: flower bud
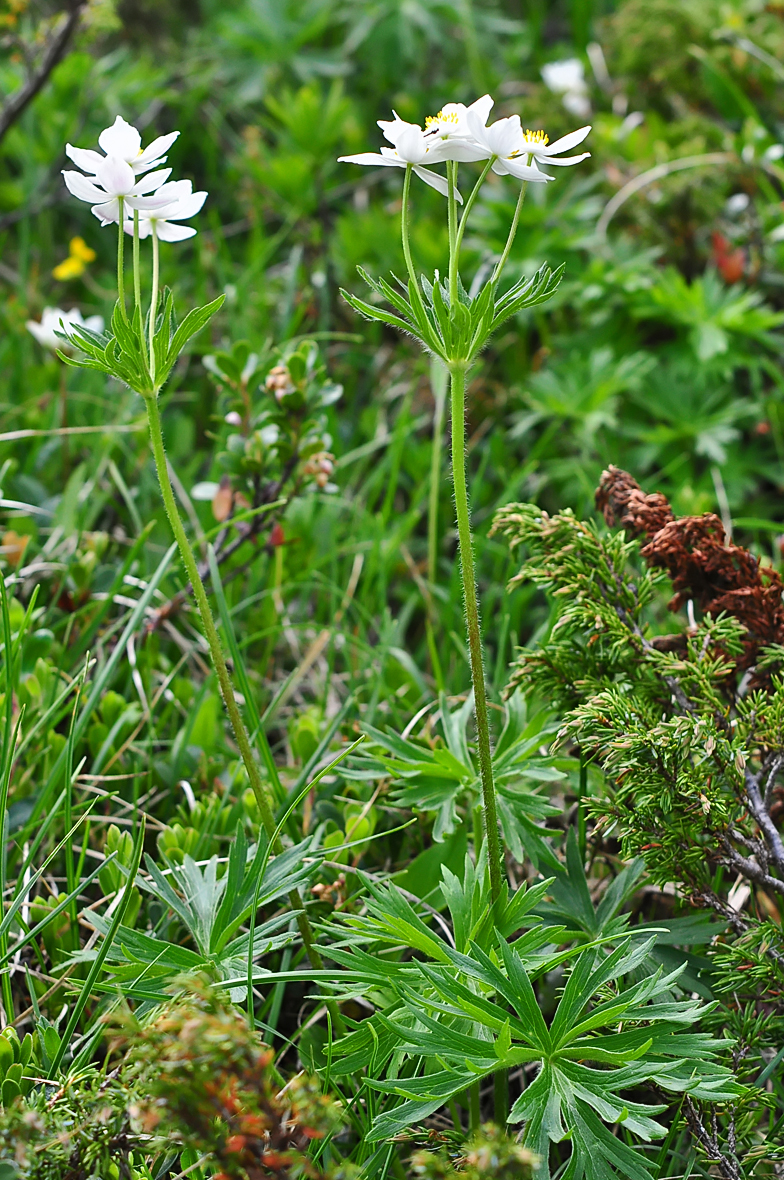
<point x="279" y="382"/>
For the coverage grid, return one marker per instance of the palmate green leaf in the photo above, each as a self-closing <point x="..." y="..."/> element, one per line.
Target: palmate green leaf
<point x="374" y="313"/>
<point x="423" y="1096"/>
<point x="212" y="907"/>
<point x="444" y="780"/>
<point x="390" y="920"/>
<point x="482" y="1012"/>
<point x="142" y="963"/>
<point x="454" y="330"/>
<point x="123" y="354"/>
<point x="527" y="293"/>
<point x="196" y="319"/>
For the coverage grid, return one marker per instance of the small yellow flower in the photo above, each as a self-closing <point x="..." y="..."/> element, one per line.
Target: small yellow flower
<point x="79" y="254"/>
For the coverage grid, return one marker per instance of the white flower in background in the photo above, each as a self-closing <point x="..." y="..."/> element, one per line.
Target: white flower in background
<point x="115" y="179"/>
<point x="567" y="78"/>
<point x="504" y="139"/>
<point x="54" y="320"/>
<point x="737" y="203"/>
<point x="125" y="143"/>
<point x="411" y="146"/>
<point x="183" y="203"/>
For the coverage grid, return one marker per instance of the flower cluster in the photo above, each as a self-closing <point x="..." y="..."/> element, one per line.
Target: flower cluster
<point x="461" y="134"/>
<point x="126" y="184"/>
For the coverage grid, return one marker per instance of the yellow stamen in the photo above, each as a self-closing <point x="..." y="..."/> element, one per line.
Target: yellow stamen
<point x="441" y="117"/>
<point x="537" y="138"/>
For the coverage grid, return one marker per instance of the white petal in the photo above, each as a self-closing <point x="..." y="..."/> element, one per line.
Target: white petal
<point x="505" y="136"/>
<point x="566" y="141"/>
<point x="94" y="323"/>
<point x="436" y="181"/>
<point x="152" y="153"/>
<point x="561" y="160"/>
<point x="150" y="182"/>
<point x="186" y="207"/>
<point x="412" y="148"/>
<point x="174" y="190"/>
<point x="394" y="129"/>
<point x="372" y="158"/>
<point x="481" y="108"/>
<point x="79" y="186"/>
<point x="143" y="203"/>
<point x="520" y="171"/>
<point x="476" y="124"/>
<point x="121" y="139"/>
<point x="465" y="151"/>
<point x="115" y="176"/>
<point x="167" y="232"/>
<point x="107" y="212"/>
<point x="152" y="164"/>
<point x="84" y="158"/>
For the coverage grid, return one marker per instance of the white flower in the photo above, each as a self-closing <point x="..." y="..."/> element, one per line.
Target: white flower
<point x="537" y="145"/>
<point x="54" y="319"/>
<point x="451" y="128"/>
<point x="182" y="203"/>
<point x="520" y="151"/>
<point x="412" y="146"/>
<point x="114" y="178"/>
<point x="125" y="143"/>
<point x="567" y="78"/>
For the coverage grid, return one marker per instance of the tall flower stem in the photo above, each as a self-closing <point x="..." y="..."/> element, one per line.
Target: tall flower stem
<point x="438" y="378"/>
<point x="156" y="271"/>
<point x="137" y="275"/>
<point x="121" y="260"/>
<point x="511" y="237"/>
<point x="224" y="680"/>
<point x="137" y="270"/>
<point x="469" y="206"/>
<point x="457" y="373"/>
<point x="451" y="176"/>
<point x="404" y="225"/>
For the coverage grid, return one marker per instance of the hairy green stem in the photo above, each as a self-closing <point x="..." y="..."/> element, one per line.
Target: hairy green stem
<point x="457" y="372"/>
<point x="501" y="1096"/>
<point x="222" y="672"/>
<point x="137" y="274"/>
<point x="156" y="270"/>
<point x="438" y="379"/>
<point x="438" y="376"/>
<point x="512" y="231"/>
<point x="451" y="176"/>
<point x="137" y="270"/>
<point x="121" y="260"/>
<point x="404" y="226"/>
<point x="469" y="206"/>
<point x="474" y="1110"/>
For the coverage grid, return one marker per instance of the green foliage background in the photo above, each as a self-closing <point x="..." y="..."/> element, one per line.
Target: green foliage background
<point x="661" y="353"/>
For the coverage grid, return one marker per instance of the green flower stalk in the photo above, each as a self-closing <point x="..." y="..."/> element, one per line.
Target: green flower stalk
<point x="454" y="327"/>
